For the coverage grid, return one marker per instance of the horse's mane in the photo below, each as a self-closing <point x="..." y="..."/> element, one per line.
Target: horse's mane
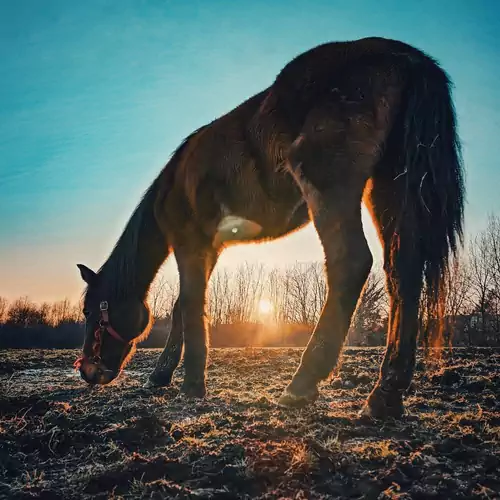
<point x="122" y="262"/>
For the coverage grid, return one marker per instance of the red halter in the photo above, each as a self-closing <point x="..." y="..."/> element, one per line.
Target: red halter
<point x="104" y="326"/>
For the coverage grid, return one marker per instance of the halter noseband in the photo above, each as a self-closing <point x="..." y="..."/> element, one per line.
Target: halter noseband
<point x="104" y="326"/>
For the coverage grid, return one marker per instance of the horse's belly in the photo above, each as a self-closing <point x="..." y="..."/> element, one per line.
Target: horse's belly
<point x="234" y="228"/>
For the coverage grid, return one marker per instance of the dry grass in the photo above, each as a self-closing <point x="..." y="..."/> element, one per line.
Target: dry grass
<point x="61" y="439"/>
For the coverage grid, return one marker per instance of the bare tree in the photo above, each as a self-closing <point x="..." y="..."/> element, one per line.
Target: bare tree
<point x="4" y="307"/>
<point x="492" y="234"/>
<point x="369" y="321"/>
<point x="306" y="292"/>
<point x="481" y="277"/>
<point x="44" y="314"/>
<point x="218" y="296"/>
<point x="245" y="292"/>
<point x="22" y="312"/>
<point x="62" y="312"/>
<point x="458" y="297"/>
<point x="76" y="313"/>
<point x="162" y="296"/>
<point x="319" y="288"/>
<point x="278" y="287"/>
<point x="299" y="290"/>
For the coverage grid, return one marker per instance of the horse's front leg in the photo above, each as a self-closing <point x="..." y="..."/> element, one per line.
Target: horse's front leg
<point x="171" y="355"/>
<point x="195" y="267"/>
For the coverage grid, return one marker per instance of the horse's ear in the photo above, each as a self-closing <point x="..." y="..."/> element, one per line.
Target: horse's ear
<point x="87" y="274"/>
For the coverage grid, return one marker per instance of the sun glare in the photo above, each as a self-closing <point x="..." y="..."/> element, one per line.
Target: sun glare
<point x="265" y="306"/>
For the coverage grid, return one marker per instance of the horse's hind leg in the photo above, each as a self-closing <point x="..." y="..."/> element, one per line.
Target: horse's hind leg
<point x="348" y="263"/>
<point x="333" y="180"/>
<point x="403" y="265"/>
<point x="171" y="354"/>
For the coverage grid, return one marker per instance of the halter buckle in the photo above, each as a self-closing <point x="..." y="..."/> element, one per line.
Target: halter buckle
<point x="103" y="306"/>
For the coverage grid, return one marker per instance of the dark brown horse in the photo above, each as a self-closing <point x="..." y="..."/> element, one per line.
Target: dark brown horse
<point x="369" y="120"/>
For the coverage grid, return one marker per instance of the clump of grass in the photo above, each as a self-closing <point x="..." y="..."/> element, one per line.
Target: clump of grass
<point x="302" y="460"/>
<point x="331" y="444"/>
<point x="375" y="450"/>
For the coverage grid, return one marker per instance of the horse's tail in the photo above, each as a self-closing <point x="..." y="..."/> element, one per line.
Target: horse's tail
<point x="431" y="186"/>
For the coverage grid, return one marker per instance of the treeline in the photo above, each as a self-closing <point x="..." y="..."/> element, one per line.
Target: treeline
<point x="24" y="323"/>
<point x="297" y="294"/>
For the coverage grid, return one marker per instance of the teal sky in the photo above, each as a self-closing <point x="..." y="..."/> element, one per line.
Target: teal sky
<point x="95" y="96"/>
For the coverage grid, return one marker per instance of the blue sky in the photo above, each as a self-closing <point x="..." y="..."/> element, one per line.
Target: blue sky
<point x="95" y="95"/>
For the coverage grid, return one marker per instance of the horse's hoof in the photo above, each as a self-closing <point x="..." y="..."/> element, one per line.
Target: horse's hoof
<point x="149" y="384"/>
<point x="194" y="390"/>
<point x="153" y="382"/>
<point x="365" y="413"/>
<point x="382" y="405"/>
<point x="290" y="400"/>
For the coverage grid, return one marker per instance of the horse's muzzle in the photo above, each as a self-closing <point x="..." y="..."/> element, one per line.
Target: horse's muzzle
<point x="94" y="374"/>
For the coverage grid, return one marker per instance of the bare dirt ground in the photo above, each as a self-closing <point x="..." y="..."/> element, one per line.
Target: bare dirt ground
<point x="62" y="439"/>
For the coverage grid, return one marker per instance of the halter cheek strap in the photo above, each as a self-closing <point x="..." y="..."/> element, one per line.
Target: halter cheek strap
<point x="104" y="326"/>
<point x="104" y="323"/>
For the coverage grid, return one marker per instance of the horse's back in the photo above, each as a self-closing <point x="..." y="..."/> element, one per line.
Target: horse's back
<point x="328" y="57"/>
<point x="345" y="66"/>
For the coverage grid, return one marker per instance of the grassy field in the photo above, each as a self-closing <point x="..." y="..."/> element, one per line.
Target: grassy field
<point x="62" y="439"/>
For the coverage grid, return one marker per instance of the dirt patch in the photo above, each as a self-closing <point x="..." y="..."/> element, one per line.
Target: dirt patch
<point x="62" y="439"/>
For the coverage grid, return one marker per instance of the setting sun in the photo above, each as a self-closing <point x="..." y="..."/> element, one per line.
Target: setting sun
<point x="265" y="306"/>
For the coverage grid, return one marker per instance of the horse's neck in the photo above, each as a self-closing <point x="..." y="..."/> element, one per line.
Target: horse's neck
<point x="139" y="253"/>
<point x="152" y="251"/>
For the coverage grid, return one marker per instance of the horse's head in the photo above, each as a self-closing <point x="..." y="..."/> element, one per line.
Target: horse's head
<point x="112" y="329"/>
